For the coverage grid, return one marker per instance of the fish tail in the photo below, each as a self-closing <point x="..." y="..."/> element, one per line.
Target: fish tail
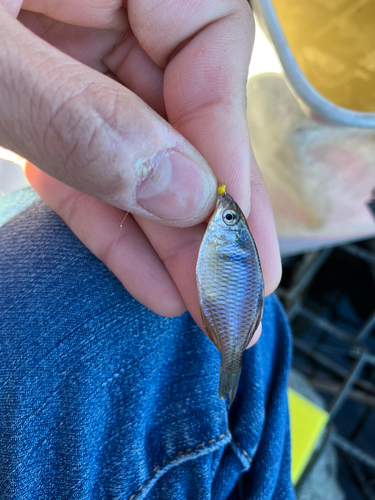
<point x="228" y="384"/>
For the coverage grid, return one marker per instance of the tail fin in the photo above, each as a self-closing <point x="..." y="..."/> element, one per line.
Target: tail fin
<point x="228" y="384"/>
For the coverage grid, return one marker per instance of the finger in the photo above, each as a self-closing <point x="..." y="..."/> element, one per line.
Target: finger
<point x="88" y="13"/>
<point x="262" y="225"/>
<point x="87" y="45"/>
<point x="90" y="132"/>
<point x="205" y="48"/>
<point x="256" y="336"/>
<point x="124" y="250"/>
<point x="135" y="69"/>
<point x="103" y="50"/>
<point x="178" y="250"/>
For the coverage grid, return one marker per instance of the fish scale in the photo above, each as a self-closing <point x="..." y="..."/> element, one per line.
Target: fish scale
<point x="230" y="288"/>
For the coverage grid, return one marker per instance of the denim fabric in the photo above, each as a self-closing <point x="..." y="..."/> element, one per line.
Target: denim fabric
<point x="102" y="399"/>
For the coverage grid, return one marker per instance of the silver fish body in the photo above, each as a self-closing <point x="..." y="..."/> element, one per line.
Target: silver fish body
<point x="230" y="288"/>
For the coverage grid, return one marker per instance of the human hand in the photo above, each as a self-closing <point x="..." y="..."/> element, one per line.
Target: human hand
<point x="97" y="144"/>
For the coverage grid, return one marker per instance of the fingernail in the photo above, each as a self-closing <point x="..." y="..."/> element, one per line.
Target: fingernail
<point x="174" y="188"/>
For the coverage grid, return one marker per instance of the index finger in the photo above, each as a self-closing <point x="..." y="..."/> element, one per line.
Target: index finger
<point x="205" y="48"/>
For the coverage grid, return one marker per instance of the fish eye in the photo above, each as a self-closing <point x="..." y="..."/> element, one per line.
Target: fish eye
<point x="230" y="217"/>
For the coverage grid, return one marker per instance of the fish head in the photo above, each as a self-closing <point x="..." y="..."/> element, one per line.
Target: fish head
<point x="228" y="218"/>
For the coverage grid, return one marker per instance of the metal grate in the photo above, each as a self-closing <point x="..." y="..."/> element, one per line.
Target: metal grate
<point x="329" y="297"/>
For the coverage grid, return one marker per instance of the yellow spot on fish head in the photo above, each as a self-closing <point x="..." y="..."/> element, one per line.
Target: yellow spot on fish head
<point x="221" y="189"/>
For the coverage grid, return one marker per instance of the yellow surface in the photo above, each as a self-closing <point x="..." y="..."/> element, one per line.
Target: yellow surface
<point x="333" y="42"/>
<point x="307" y="422"/>
<point x="221" y="189"/>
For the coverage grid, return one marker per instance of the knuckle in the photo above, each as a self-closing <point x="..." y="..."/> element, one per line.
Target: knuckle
<point x="86" y="140"/>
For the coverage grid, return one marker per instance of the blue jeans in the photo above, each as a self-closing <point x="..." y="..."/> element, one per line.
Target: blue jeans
<point x="102" y="399"/>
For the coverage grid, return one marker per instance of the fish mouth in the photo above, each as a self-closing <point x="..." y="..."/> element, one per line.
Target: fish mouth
<point x="224" y="200"/>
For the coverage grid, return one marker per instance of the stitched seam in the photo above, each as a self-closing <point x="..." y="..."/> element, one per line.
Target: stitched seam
<point x="179" y="455"/>
<point x="244" y="452"/>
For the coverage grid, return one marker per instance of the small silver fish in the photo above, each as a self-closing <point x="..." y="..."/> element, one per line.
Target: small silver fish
<point x="230" y="288"/>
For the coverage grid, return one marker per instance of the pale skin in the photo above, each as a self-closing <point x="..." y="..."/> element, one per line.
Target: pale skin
<point x="96" y="93"/>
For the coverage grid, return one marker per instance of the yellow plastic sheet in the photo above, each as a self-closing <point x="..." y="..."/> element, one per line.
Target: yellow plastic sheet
<point x="307" y="422"/>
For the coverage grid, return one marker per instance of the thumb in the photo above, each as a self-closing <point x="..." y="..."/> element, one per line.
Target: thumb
<point x="95" y="135"/>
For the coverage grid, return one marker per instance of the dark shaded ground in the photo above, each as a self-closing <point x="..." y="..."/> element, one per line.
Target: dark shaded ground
<point x="342" y="292"/>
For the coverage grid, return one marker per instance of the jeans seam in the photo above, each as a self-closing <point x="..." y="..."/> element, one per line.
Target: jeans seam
<point x="182" y="456"/>
<point x="242" y="455"/>
<point x="243" y="451"/>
